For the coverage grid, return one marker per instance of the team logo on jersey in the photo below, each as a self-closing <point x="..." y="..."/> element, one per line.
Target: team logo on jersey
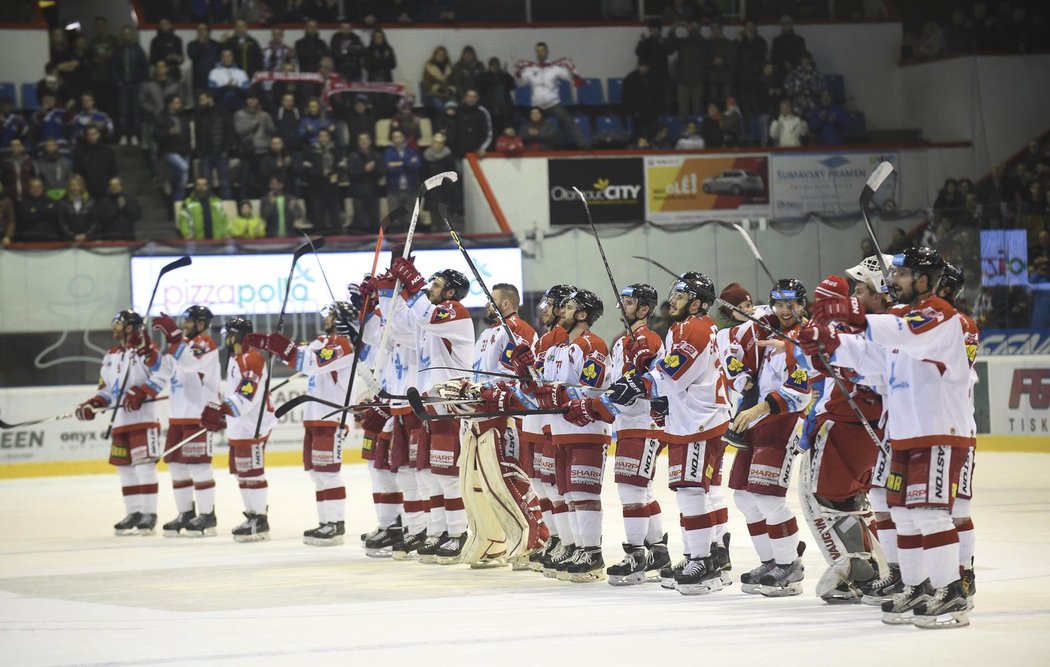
<point x="924" y="320"/>
<point x="325" y="355"/>
<point x="197" y="349"/>
<point x="798" y="379"/>
<point x="443" y="314"/>
<point x="247" y="388"/>
<point x="508" y="355"/>
<point x="971" y="353"/>
<point x="673" y="364"/>
<point x="734" y="366"/>
<point x="593" y="370"/>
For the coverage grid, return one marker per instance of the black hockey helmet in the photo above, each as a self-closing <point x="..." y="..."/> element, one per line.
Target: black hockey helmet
<point x="696" y="286"/>
<point x="344" y="311"/>
<point x="555" y="295"/>
<point x="953" y="280"/>
<point x="454" y="280"/>
<point x="788" y="289"/>
<point x="646" y="294"/>
<point x="129" y="318"/>
<point x="199" y="313"/>
<point x="587" y="301"/>
<point x="922" y="261"/>
<point x="237" y="326"/>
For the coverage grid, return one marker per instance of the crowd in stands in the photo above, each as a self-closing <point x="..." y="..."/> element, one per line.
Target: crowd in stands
<point x="949" y="27"/>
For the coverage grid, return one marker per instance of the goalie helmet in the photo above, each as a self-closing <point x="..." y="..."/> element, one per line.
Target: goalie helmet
<point x="129" y="318"/>
<point x="199" y="314"/>
<point x="645" y="294"/>
<point x="954" y="281"/>
<point x="697" y="287"/>
<point x="454" y="280"/>
<point x="869" y="272"/>
<point x="788" y="289"/>
<point x="588" y="302"/>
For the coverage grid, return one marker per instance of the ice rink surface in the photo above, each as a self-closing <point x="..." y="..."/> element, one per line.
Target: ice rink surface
<point x="73" y="593"/>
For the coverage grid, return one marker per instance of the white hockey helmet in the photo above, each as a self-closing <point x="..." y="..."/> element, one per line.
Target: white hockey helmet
<point x="869" y="271"/>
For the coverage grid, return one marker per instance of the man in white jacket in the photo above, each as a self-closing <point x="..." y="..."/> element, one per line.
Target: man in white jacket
<point x="543" y="76"/>
<point x="788" y="129"/>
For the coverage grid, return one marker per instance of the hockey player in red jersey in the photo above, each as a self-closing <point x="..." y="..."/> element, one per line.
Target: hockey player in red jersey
<point x="136" y="430"/>
<point x="238" y="415"/>
<point x="326" y="360"/>
<point x="190" y="367"/>
<point x="923" y="355"/>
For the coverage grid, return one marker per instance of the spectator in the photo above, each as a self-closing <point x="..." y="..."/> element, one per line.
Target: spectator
<point x="325" y="166"/>
<point x="691" y="138"/>
<point x="49" y="122"/>
<point x="365" y="167"/>
<point x="37" y="215"/>
<point x="661" y="139"/>
<point x="1018" y="32"/>
<point x="446" y="123"/>
<point x="467" y="71"/>
<point x="679" y="11"/>
<point x="653" y="49"/>
<point x="118" y="212"/>
<point x="205" y="54"/>
<point x="958" y="36"/>
<point x="388" y="11"/>
<point x="473" y="127"/>
<point x="711" y="127"/>
<point x="732" y="123"/>
<point x="538" y="133"/>
<point x="437" y="78"/>
<point x="406" y="122"/>
<point x="787" y="129"/>
<point x="1033" y="212"/>
<point x="173" y="145"/>
<point x="380" y="59"/>
<point x="282" y="213"/>
<point x="246" y="225"/>
<point x="254" y="128"/>
<point x="91" y="116"/>
<point x="827" y="122"/>
<point x="58" y="46"/>
<point x="54" y="169"/>
<point x="280" y="162"/>
<point x="310" y="48"/>
<point x="214" y="138"/>
<point x="496" y="87"/>
<point x="689" y="73"/>
<point x="642" y="98"/>
<point x="7" y="218"/>
<point x="76" y="69"/>
<point x="402" y="164"/>
<point x="788" y="48"/>
<point x="77" y="218"/>
<point x="509" y="143"/>
<point x="804" y="85"/>
<point x="287" y="120"/>
<point x="202" y="216"/>
<point x="167" y="46"/>
<point x="132" y="70"/>
<point x="314" y="120"/>
<point x="437" y="159"/>
<point x="151" y="100"/>
<point x="949" y="202"/>
<point x="1039" y="251"/>
<point x="277" y="53"/>
<point x="102" y="47"/>
<point x="297" y="89"/>
<point x="348" y="53"/>
<point x="16" y="170"/>
<point x="361" y="118"/>
<point x="12" y="124"/>
<point x="95" y="162"/>
<point x="1033" y="157"/>
<point x="52" y="84"/>
<point x="931" y="41"/>
<point x="543" y="77"/>
<point x="247" y="53"/>
<point x="720" y="60"/>
<point x="751" y="58"/>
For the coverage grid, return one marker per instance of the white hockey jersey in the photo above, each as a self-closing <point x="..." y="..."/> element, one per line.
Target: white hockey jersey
<point x="444" y="337"/>
<point x="191" y="370"/>
<point x="400" y="359"/>
<point x="781" y="380"/>
<point x="581" y="362"/>
<point x="492" y="351"/>
<point x="245" y="380"/>
<point x="327" y="361"/>
<point x="114" y="366"/>
<point x="632" y="421"/>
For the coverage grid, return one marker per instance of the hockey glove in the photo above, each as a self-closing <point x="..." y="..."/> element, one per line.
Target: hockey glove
<point x="584" y="411"/>
<point x="628" y="389"/>
<point x="498" y="398"/>
<point x="166" y="325"/>
<point x="522" y="360"/>
<point x="658" y="409"/>
<point x="373" y="420"/>
<point x="86" y="411"/>
<point x="815" y="339"/>
<point x="551" y="396"/>
<point x="214" y="417"/>
<point x="849" y="311"/>
<point x="135" y="396"/>
<point x="411" y="280"/>
<point x="283" y="347"/>
<point x="638" y="354"/>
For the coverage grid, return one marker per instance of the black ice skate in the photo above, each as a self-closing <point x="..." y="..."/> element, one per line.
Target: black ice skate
<point x="946" y="609"/>
<point x="146" y="525"/>
<point x="750" y="582"/>
<point x="588" y="566"/>
<point x="720" y="554"/>
<point x="202" y="525"/>
<point x="699" y="576"/>
<point x="969" y="582"/>
<point x="449" y="551"/>
<point x="537" y="563"/>
<point x="783" y="580"/>
<point x="572" y="552"/>
<point x="387" y="542"/>
<point x="255" y="529"/>
<point x="129" y="525"/>
<point x="428" y="552"/>
<point x="658" y="559"/>
<point x="326" y="535"/>
<point x="670" y="573"/>
<point x="884" y="588"/>
<point x="175" y="527"/>
<point x="630" y="570"/>
<point x="900" y="610"/>
<point x="375" y="531"/>
<point x="559" y="552"/>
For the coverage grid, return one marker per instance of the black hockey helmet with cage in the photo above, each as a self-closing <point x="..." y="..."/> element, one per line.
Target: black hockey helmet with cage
<point x="454" y="280"/>
<point x="697" y="286"/>
<point x="645" y="294"/>
<point x="129" y="318"/>
<point x="953" y="280"/>
<point x="199" y="314"/>
<point x="237" y="326"/>
<point x="343" y="311"/>
<point x="922" y="260"/>
<point x="588" y="302"/>
<point x="788" y="289"/>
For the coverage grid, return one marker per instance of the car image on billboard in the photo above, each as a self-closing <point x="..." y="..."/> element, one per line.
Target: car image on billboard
<point x="737" y="182"/>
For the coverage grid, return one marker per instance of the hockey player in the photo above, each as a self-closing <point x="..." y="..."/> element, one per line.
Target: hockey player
<point x="238" y="415"/>
<point x="761" y="474"/>
<point x="326" y="360"/>
<point x="444" y="337"/>
<point x="190" y="367"/>
<point x="923" y="355"/>
<point x="136" y="431"/>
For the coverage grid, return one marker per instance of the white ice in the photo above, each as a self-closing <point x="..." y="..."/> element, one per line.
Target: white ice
<point x="72" y="593"/>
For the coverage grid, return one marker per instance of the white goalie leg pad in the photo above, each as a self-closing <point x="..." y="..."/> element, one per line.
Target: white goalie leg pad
<point x="501" y="479"/>
<point x="485" y="536"/>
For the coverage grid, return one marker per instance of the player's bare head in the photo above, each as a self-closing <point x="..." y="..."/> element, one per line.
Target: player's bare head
<point x="507" y="298"/>
<point x="690" y="296"/>
<point x="915" y="274"/>
<point x="542" y="51"/>
<point x="788" y="298"/>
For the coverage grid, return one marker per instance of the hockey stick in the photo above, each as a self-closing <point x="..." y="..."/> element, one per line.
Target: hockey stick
<point x="299" y="252"/>
<point x="167" y="268"/>
<point x="476" y="371"/>
<point x="754" y="250"/>
<point x="419" y="408"/>
<point x="176" y="447"/>
<point x="296" y="401"/>
<point x="66" y="415"/>
<point x="601" y="250"/>
<point x="875" y="181"/>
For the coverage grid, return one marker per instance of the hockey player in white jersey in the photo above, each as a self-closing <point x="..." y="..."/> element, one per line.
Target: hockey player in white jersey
<point x="190" y="367"/>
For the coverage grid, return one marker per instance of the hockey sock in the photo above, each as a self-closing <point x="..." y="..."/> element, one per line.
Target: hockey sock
<point x="548" y="516"/>
<point x="204" y="486"/>
<point x="182" y="486"/>
<point x="332" y="504"/>
<point x="574" y="521"/>
<point x="940" y="545"/>
<point x="635" y="512"/>
<point x="129" y="485"/>
<point x="319" y="495"/>
<point x="147" y="476"/>
<point x="885" y="529"/>
<point x="415" y="518"/>
<point x="587" y="507"/>
<point x="455" y="512"/>
<point x="909" y="547"/>
<point x="697" y="521"/>
<point x="561" y="520"/>
<point x="967" y="542"/>
<point x="716" y="498"/>
<point x="655" y="530"/>
<point x="780" y="526"/>
<point x="253" y="493"/>
<point x="436" y="524"/>
<point x="756" y="524"/>
<point x="386" y="496"/>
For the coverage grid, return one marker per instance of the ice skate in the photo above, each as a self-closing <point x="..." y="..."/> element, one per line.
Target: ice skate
<point x="175" y="527"/>
<point x="900" y="610"/>
<point x="630" y="570"/>
<point x="750" y="582"/>
<point x="720" y="553"/>
<point x="146" y="525"/>
<point x="588" y="566"/>
<point x="521" y="562"/>
<point x="658" y="559"/>
<point x="326" y="535"/>
<point x="969" y="583"/>
<point x="375" y="531"/>
<point x="884" y="588"/>
<point x="128" y="525"/>
<point x="669" y="573"/>
<point x="202" y="525"/>
<point x="449" y="552"/>
<point x="699" y="576"/>
<point x="428" y="550"/>
<point x="783" y="580"/>
<point x="844" y="582"/>
<point x="538" y="559"/>
<point x="255" y="528"/>
<point x="490" y="562"/>
<point x="556" y="555"/>
<point x="946" y="609"/>
<point x="386" y="541"/>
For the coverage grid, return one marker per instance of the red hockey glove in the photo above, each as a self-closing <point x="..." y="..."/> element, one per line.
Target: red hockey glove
<point x="817" y="338"/>
<point x="166" y="325"/>
<point x="770" y="321"/>
<point x="638" y="354"/>
<point x="373" y="420"/>
<point x="135" y="396"/>
<point x="283" y="347"/>
<point x="658" y="408"/>
<point x="410" y="278"/>
<point x="850" y="311"/>
<point x="551" y="396"/>
<point x="498" y="398"/>
<point x="522" y="360"/>
<point x="86" y="411"/>
<point x="584" y="411"/>
<point x="214" y="417"/>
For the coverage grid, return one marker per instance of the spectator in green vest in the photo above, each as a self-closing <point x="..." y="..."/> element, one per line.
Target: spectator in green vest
<point x="202" y="216"/>
<point x="247" y="225"/>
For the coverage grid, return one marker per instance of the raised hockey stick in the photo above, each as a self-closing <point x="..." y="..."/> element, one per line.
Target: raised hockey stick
<point x="754" y="250"/>
<point x="874" y="182"/>
<point x="299" y="252"/>
<point x="419" y="404"/>
<point x="601" y="250"/>
<point x="66" y="415"/>
<point x="167" y="268"/>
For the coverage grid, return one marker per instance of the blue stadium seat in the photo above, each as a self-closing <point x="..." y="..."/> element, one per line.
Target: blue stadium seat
<point x="584" y="123"/>
<point x="523" y="96"/>
<point x="565" y="92"/>
<point x="615" y="90"/>
<point x="29" y="100"/>
<point x="9" y="90"/>
<point x="836" y="85"/>
<point x="590" y="93"/>
<point x="673" y="124"/>
<point x="608" y="124"/>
